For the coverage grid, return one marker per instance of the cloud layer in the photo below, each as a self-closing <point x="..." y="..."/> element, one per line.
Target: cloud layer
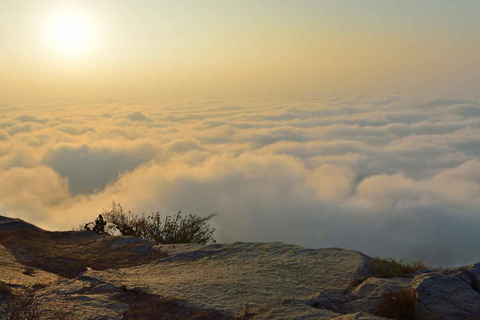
<point x="389" y="175"/>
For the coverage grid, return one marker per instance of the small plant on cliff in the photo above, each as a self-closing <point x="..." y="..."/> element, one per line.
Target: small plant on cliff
<point x="389" y="268"/>
<point x="170" y="230"/>
<point x="398" y="305"/>
<point x="30" y="306"/>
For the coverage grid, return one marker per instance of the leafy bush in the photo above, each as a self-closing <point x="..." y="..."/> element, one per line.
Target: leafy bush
<point x="170" y="230"/>
<point x="398" y="305"/>
<point x="388" y="268"/>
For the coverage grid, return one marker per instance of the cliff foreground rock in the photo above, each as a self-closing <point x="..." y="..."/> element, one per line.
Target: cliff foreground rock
<point x="82" y="275"/>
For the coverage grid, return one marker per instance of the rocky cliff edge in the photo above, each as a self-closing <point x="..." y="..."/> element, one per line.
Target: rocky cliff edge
<point x="106" y="277"/>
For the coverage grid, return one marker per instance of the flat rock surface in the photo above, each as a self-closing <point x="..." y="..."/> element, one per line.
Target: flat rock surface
<point x="15" y="274"/>
<point x="225" y="277"/>
<point x="108" y="277"/>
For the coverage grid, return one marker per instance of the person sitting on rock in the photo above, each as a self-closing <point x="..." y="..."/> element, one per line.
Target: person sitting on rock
<point x="100" y="224"/>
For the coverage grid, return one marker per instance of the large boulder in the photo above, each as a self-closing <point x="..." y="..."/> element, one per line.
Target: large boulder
<point x="226" y="277"/>
<point x="15" y="224"/>
<point x="369" y="294"/>
<point x="447" y="294"/>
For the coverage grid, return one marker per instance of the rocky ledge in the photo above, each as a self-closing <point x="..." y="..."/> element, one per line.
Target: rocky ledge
<point x="221" y="281"/>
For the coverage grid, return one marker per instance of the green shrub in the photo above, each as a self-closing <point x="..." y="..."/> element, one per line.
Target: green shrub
<point x="398" y="305"/>
<point x="388" y="268"/>
<point x="172" y="229"/>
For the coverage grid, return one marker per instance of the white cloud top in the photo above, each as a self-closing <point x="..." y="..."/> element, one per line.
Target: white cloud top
<point x="389" y="175"/>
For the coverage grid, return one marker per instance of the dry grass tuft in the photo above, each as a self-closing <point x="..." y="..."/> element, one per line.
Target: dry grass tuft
<point x="398" y="305"/>
<point x="358" y="281"/>
<point x="30" y="306"/>
<point x="246" y="312"/>
<point x="389" y="268"/>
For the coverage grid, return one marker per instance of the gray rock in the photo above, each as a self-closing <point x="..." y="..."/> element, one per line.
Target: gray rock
<point x="474" y="272"/>
<point x="15" y="224"/>
<point x="368" y="294"/>
<point x="329" y="299"/>
<point x="446" y="294"/>
<point x="107" y="287"/>
<point x="91" y="280"/>
<point x="276" y="280"/>
<point x="143" y="248"/>
<point x="12" y="272"/>
<point x="298" y="311"/>
<point x="131" y="240"/>
<point x="358" y="316"/>
<point x="225" y="277"/>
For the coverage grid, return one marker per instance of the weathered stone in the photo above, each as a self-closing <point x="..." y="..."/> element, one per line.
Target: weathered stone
<point x="358" y="316"/>
<point x="329" y="299"/>
<point x="225" y="277"/>
<point x="368" y="294"/>
<point x="143" y="248"/>
<point x="296" y="310"/>
<point x="12" y="272"/>
<point x="130" y="240"/>
<point x="474" y="272"/>
<point x="15" y="224"/>
<point x="107" y="287"/>
<point x="446" y="294"/>
<point x="270" y="280"/>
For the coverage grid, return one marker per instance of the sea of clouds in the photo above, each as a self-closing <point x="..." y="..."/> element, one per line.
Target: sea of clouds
<point x="392" y="175"/>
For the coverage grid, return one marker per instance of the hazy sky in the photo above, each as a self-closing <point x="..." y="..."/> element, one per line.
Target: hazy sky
<point x="176" y="48"/>
<point x="352" y="124"/>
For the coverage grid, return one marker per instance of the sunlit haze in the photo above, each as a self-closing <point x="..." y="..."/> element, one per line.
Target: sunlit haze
<point x="70" y="33"/>
<point x="352" y="124"/>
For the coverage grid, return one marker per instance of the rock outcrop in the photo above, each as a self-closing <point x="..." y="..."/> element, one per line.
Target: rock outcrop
<point x="223" y="281"/>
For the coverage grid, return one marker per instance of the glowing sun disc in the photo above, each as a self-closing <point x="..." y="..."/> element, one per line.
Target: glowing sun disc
<point x="71" y="33"/>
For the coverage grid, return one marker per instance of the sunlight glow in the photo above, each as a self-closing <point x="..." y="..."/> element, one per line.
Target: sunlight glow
<point x="71" y="33"/>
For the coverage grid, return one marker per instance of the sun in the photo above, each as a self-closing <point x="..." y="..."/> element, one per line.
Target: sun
<point x="71" y="33"/>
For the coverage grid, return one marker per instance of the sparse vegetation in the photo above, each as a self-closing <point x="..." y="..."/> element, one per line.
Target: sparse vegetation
<point x="30" y="306"/>
<point x="389" y="268"/>
<point x="246" y="312"/>
<point x="173" y="229"/>
<point x="398" y="305"/>
<point x="358" y="281"/>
